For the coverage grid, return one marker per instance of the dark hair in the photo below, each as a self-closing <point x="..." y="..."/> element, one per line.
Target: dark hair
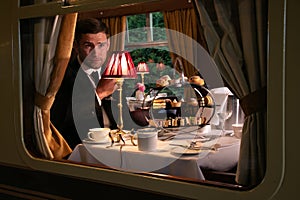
<point x="90" y="25"/>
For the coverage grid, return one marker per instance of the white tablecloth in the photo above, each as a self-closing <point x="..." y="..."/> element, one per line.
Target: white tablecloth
<point x="165" y="160"/>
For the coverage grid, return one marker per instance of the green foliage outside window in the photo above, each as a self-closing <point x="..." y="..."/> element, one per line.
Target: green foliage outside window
<point x="154" y="57"/>
<point x="137" y="33"/>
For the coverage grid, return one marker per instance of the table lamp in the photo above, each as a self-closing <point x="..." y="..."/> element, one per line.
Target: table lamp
<point x="120" y="66"/>
<point x="142" y="69"/>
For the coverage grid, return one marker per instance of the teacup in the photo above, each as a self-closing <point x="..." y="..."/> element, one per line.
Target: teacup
<point x="237" y="130"/>
<point x="147" y="139"/>
<point x="98" y="134"/>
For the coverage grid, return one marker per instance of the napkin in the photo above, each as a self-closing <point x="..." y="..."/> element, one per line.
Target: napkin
<point x="220" y="96"/>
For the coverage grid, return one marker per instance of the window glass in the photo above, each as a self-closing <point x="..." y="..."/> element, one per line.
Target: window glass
<point x="192" y="109"/>
<point x="136" y="22"/>
<point x="145" y="28"/>
<point x="147" y="42"/>
<point x="157" y="20"/>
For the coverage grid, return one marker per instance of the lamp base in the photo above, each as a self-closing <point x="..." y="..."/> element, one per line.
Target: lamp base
<point x="118" y="133"/>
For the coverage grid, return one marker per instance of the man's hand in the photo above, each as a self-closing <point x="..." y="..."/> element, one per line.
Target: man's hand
<point x="106" y="87"/>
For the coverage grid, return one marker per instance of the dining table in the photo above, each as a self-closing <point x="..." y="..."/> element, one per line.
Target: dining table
<point x="175" y="155"/>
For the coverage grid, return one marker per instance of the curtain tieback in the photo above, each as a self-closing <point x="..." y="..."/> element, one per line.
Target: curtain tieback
<point x="255" y="101"/>
<point x="43" y="102"/>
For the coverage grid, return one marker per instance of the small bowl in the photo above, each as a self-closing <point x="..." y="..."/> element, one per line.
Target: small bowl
<point x="237" y="130"/>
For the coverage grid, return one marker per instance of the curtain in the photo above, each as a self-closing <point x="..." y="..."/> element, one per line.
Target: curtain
<point x="117" y="27"/>
<point x="51" y="62"/>
<point x="184" y="22"/>
<point x="238" y="44"/>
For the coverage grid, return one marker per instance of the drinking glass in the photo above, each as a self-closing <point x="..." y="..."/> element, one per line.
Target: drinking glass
<point x="225" y="114"/>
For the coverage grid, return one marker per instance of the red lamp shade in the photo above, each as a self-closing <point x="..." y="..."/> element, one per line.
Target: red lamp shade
<point x="120" y="65"/>
<point x="142" y="68"/>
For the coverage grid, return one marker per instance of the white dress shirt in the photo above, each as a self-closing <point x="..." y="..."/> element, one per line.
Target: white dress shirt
<point x="88" y="72"/>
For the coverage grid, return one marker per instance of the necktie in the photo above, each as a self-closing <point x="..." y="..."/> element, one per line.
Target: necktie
<point x="95" y="77"/>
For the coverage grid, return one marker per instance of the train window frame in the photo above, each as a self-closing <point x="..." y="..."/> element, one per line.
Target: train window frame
<point x="275" y="150"/>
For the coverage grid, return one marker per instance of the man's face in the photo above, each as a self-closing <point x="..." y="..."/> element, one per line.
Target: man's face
<point x="92" y="49"/>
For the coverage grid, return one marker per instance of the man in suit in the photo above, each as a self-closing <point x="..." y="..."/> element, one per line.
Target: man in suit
<point x="82" y="101"/>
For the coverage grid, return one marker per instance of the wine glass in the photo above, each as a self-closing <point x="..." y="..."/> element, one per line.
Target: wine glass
<point x="225" y="114"/>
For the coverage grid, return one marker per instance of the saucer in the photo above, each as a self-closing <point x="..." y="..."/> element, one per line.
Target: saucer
<point x="88" y="141"/>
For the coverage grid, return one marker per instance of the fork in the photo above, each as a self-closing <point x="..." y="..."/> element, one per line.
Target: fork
<point x="192" y="146"/>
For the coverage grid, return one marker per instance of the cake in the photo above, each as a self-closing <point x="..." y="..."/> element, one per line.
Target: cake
<point x="159" y="103"/>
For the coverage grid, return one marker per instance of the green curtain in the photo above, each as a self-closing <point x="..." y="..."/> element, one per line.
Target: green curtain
<point x="236" y="35"/>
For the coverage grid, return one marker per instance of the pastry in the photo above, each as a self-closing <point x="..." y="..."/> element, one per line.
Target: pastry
<point x="208" y="101"/>
<point x="165" y="77"/>
<point x="196" y="80"/>
<point x="175" y="104"/>
<point x="163" y="81"/>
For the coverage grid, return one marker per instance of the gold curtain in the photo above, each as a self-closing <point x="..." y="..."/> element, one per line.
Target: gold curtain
<point x="55" y="141"/>
<point x="117" y="27"/>
<point x="183" y="21"/>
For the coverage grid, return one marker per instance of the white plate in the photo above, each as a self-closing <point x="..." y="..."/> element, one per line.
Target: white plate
<point x="88" y="141"/>
<point x="228" y="141"/>
<point x="190" y="136"/>
<point x="184" y="151"/>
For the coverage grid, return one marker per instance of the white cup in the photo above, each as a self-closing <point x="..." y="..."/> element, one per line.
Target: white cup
<point x="237" y="130"/>
<point x="98" y="134"/>
<point x="147" y="139"/>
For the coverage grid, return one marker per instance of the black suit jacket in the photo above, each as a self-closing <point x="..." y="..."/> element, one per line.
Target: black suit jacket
<point x="75" y="109"/>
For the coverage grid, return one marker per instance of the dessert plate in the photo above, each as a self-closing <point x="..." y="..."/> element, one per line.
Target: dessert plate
<point x="185" y="151"/>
